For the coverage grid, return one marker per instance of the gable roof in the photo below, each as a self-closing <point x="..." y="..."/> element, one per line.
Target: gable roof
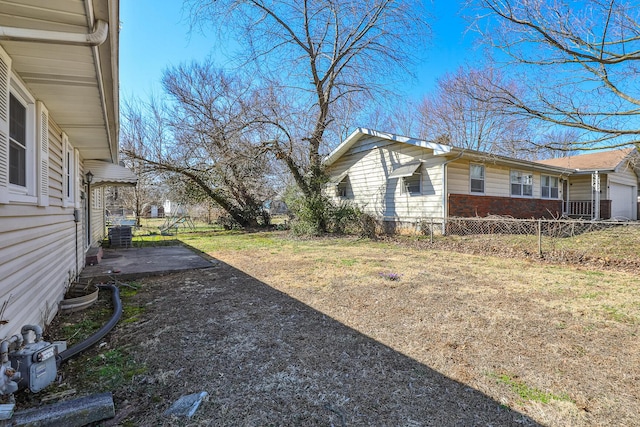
<point x="360" y="132"/>
<point x="600" y="161"/>
<point x="438" y="150"/>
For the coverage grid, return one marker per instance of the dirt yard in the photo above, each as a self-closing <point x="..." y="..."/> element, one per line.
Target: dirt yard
<point x="351" y="333"/>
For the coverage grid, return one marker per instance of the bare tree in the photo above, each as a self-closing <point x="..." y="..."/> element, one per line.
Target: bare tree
<point x="202" y="136"/>
<point x="457" y="113"/>
<point x="318" y="59"/>
<point x="563" y="139"/>
<point x="148" y="189"/>
<point x="578" y="60"/>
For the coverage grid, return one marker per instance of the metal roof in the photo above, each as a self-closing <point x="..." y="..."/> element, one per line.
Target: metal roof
<point x="109" y="173"/>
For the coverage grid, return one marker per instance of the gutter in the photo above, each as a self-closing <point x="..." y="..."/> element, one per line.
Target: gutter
<point x="95" y="38"/>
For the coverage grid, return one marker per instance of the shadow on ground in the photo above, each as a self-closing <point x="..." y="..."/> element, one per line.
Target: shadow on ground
<point x="268" y="359"/>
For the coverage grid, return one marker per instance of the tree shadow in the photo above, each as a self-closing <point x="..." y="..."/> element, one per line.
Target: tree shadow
<point x="266" y="358"/>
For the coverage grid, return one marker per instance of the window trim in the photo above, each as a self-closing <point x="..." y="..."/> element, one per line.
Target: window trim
<point x="28" y="192"/>
<point x="471" y="178"/>
<point x="343" y="184"/>
<point x="542" y="187"/>
<point x="20" y="141"/>
<point x="522" y="174"/>
<point x="405" y="186"/>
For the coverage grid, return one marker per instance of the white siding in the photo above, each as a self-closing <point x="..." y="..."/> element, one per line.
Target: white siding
<point x="41" y="250"/>
<point x="368" y="165"/>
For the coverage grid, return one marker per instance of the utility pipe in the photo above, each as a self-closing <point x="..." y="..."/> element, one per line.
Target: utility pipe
<point x="37" y="330"/>
<point x="93" y="339"/>
<point x="4" y="347"/>
<point x="95" y="38"/>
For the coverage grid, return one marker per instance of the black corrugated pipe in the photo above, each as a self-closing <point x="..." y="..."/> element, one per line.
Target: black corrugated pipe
<point x="82" y="346"/>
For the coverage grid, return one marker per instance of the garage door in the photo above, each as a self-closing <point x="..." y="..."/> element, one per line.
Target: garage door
<point x="622" y="200"/>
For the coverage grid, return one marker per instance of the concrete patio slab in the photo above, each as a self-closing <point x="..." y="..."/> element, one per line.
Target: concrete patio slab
<point x="132" y="263"/>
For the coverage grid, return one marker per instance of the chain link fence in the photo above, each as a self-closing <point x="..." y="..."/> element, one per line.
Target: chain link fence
<point x="562" y="240"/>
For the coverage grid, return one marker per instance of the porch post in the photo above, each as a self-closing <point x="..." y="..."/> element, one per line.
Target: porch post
<point x="595" y="184"/>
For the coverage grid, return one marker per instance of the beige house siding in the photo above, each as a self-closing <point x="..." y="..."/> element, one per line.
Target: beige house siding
<point x="497" y="181"/>
<point x="580" y="187"/>
<point x="368" y="165"/>
<point x="624" y="176"/>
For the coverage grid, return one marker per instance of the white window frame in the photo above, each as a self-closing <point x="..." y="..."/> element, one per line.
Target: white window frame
<point x="28" y="193"/>
<point x="472" y="178"/>
<point x="405" y="184"/>
<point x="549" y="187"/>
<point x="521" y="177"/>
<point x="342" y="188"/>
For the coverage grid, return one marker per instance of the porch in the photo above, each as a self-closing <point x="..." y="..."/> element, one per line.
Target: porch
<point x="584" y="209"/>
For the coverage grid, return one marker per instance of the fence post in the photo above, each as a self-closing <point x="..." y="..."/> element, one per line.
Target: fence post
<point x="431" y="231"/>
<point x="540" y="238"/>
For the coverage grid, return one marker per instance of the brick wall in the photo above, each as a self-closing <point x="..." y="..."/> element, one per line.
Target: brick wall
<point x="464" y="205"/>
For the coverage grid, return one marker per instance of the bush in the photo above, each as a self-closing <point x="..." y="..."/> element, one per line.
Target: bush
<point x="308" y="215"/>
<point x="367" y="226"/>
<point x="319" y="214"/>
<point x="343" y="217"/>
<point x="227" y="222"/>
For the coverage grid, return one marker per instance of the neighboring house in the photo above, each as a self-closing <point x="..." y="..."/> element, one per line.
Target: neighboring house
<point x="58" y="147"/>
<point x="172" y="209"/>
<point x="405" y="179"/>
<point x="614" y="173"/>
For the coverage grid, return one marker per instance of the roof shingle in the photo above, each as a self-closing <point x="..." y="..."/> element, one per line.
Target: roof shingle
<point x="605" y="160"/>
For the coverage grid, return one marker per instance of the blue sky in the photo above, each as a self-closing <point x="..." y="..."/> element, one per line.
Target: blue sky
<point x="154" y="35"/>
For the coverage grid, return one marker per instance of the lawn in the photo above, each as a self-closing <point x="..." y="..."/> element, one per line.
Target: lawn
<point x="394" y="332"/>
<point x="557" y="343"/>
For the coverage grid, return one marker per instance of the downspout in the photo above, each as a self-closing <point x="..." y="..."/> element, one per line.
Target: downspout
<point x="445" y="204"/>
<point x="95" y="38"/>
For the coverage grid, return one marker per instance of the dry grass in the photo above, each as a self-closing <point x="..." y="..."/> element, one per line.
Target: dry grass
<point x="348" y="332"/>
<point x="565" y="331"/>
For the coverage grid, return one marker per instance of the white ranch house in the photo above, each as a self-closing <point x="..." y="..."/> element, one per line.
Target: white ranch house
<point x="58" y="147"/>
<point x="403" y="179"/>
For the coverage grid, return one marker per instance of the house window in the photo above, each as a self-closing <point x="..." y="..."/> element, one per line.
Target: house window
<point x="17" y="141"/>
<point x="412" y="183"/>
<point x="342" y="188"/>
<point x="410" y="177"/>
<point x="477" y="178"/>
<point x="549" y="187"/>
<point x="521" y="183"/>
